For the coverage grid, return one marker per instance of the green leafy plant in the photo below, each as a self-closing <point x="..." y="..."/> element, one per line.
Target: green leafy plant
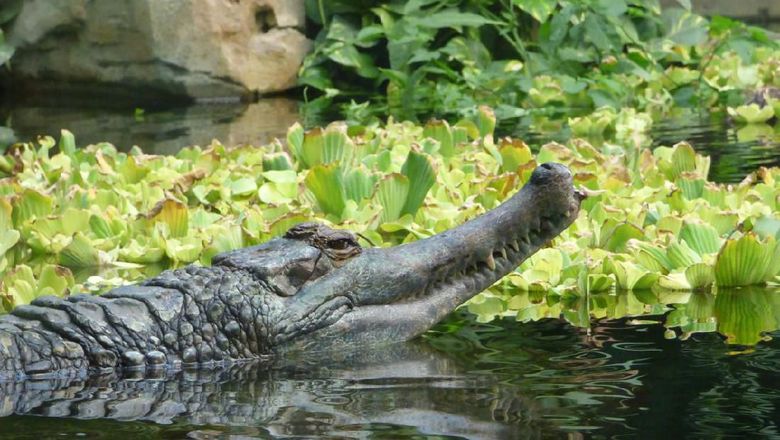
<point x="531" y="61"/>
<point x="751" y="113"/>
<point x="9" y="9"/>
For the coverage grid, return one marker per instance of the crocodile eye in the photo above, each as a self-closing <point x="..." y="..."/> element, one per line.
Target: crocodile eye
<point x="341" y="247"/>
<point x="340" y="244"/>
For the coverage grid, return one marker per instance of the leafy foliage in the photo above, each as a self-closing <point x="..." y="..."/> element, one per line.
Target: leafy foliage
<point x="9" y="9"/>
<point x="530" y="60"/>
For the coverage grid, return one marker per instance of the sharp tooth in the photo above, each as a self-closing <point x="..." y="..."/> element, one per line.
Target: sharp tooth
<point x="515" y="245"/>
<point x="491" y="263"/>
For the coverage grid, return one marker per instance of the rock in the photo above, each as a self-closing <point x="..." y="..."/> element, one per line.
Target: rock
<point x="203" y="49"/>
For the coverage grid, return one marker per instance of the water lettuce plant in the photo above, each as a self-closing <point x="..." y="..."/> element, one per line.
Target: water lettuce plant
<point x="86" y="219"/>
<point x="743" y="315"/>
<point x="751" y="113"/>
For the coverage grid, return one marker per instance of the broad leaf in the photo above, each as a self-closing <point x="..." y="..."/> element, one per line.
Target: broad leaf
<point x="327" y="184"/>
<point x="392" y="194"/>
<point x="538" y="9"/>
<point x="419" y="170"/>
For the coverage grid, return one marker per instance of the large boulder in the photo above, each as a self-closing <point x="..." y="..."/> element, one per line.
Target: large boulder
<point x="202" y="49"/>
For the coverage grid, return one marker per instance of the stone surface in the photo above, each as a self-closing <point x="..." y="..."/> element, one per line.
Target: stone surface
<point x="203" y="49"/>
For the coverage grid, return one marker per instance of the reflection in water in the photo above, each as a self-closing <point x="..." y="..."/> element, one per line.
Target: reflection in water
<point x="735" y="150"/>
<point x="405" y="389"/>
<point x="742" y="314"/>
<point x="160" y="131"/>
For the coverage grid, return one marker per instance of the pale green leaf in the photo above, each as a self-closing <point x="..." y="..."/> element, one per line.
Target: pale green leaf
<point x="751" y="113"/>
<point x="700" y="275"/>
<point x="79" y="253"/>
<point x="700" y="237"/>
<point x="392" y="193"/>
<point x="746" y="261"/>
<point x="327" y="184"/>
<point x="441" y="132"/>
<point x="172" y="213"/>
<point x="56" y="279"/>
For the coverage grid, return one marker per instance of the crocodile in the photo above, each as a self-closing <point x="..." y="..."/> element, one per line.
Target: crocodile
<point x="315" y="288"/>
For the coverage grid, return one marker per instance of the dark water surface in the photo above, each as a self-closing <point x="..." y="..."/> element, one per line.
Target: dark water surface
<point x="735" y="150"/>
<point x="156" y="131"/>
<point x="656" y="372"/>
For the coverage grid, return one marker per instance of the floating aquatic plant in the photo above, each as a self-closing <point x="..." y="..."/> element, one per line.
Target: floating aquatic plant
<point x="653" y="222"/>
<point x="751" y="113"/>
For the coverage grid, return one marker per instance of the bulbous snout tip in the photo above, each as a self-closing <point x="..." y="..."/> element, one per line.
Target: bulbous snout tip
<point x="549" y="172"/>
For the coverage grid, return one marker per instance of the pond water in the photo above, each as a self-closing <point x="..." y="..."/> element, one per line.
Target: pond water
<point x="622" y="365"/>
<point x="623" y="377"/>
<point x="156" y="130"/>
<point x="735" y="150"/>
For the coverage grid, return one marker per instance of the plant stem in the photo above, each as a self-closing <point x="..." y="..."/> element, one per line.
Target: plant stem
<point x="324" y="19"/>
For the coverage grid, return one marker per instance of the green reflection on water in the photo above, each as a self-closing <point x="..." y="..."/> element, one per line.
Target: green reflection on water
<point x="743" y="315"/>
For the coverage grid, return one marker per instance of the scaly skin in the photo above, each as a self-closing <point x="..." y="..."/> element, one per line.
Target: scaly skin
<point x="191" y="315"/>
<point x="315" y="288"/>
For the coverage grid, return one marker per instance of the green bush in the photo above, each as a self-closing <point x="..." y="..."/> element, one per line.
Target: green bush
<point x="445" y="58"/>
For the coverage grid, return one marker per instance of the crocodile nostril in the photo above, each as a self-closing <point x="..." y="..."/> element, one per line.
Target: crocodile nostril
<point x="546" y="166"/>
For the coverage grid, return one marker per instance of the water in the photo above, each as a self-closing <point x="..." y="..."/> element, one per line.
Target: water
<point x="635" y="364"/>
<point x="735" y="150"/>
<point x="155" y="130"/>
<point x="643" y="369"/>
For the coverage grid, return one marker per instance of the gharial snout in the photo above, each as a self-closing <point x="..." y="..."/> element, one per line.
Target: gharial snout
<point x="474" y="254"/>
<point x="397" y="293"/>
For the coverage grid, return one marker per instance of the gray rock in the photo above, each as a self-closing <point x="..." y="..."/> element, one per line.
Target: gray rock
<point x="203" y="49"/>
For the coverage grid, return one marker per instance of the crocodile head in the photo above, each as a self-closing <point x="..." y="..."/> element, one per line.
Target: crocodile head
<point x="331" y="290"/>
